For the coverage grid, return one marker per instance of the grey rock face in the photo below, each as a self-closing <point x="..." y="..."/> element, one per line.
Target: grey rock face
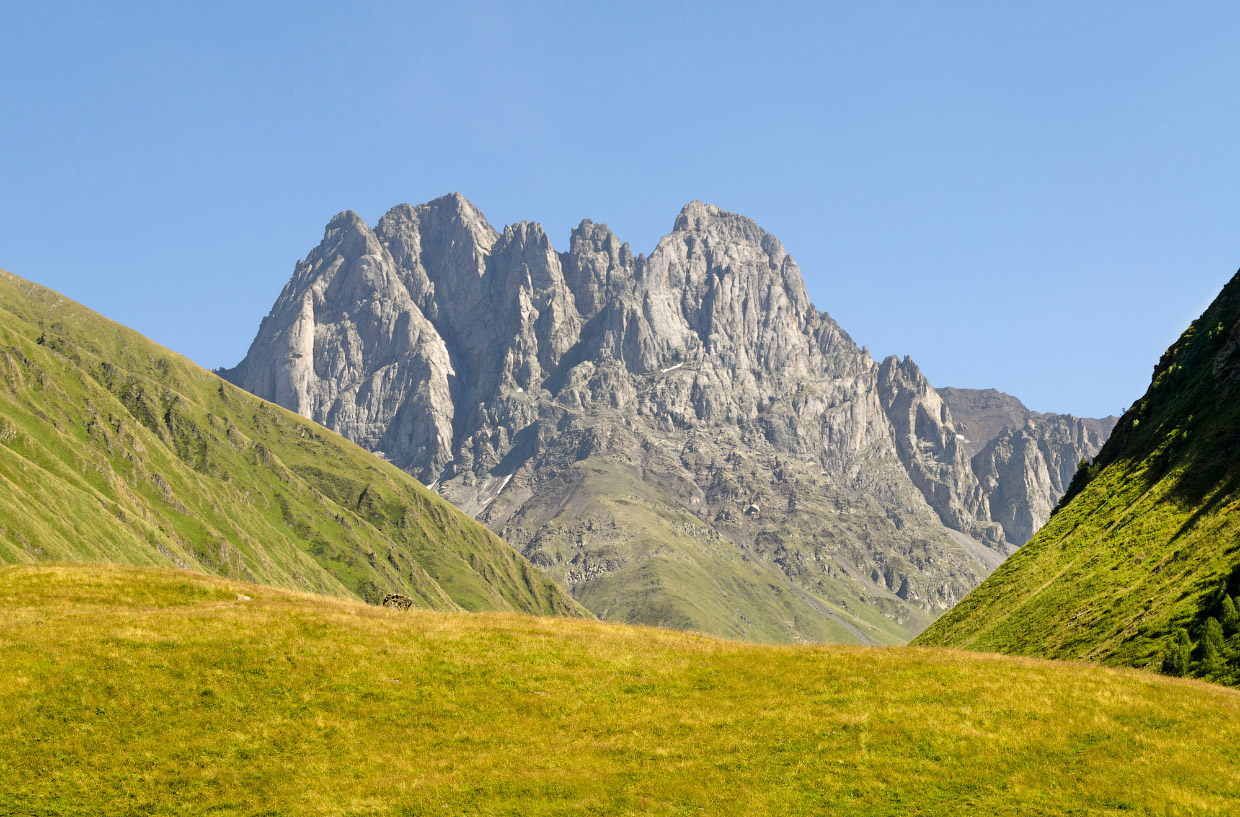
<point x="1025" y="470"/>
<point x="1023" y="460"/>
<point x="932" y="451"/>
<point x="347" y="344"/>
<point x="679" y="438"/>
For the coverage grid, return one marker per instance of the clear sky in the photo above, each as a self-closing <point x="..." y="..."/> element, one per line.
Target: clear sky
<point x="1037" y="197"/>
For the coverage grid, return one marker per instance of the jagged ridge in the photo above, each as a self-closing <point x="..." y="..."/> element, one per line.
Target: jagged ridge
<point x="681" y="438"/>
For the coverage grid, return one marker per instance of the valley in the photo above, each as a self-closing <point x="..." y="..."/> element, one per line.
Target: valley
<point x="679" y="439"/>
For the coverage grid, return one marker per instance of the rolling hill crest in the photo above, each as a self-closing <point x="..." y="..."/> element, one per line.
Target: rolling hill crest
<point x="114" y="449"/>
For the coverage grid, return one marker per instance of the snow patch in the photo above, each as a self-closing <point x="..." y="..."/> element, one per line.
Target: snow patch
<point x="519" y="389"/>
<point x="499" y="491"/>
<point x="961" y="437"/>
<point x="671" y="368"/>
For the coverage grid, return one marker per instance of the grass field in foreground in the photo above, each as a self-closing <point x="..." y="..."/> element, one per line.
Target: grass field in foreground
<point x="129" y="690"/>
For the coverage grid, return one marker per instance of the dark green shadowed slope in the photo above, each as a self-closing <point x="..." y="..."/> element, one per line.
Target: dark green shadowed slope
<point x="1140" y="566"/>
<point x="114" y="449"/>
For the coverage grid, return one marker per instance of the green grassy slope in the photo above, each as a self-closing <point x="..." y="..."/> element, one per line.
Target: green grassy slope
<point x="113" y="449"/>
<point x="669" y="568"/>
<point x="1147" y="541"/>
<point x="138" y="691"/>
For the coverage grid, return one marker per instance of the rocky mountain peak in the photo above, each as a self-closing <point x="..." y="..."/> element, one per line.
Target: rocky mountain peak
<point x="694" y="215"/>
<point x="1024" y="460"/>
<point x="446" y="237"/>
<point x="347" y="235"/>
<point x="683" y="425"/>
<point x="598" y="267"/>
<point x="527" y="234"/>
<point x="343" y="219"/>
<point x="709" y="219"/>
<point x="589" y="237"/>
<point x="452" y="208"/>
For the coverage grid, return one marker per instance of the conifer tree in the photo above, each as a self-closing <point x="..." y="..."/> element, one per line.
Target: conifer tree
<point x="1211" y="646"/>
<point x="1175" y="656"/>
<point x="1229" y="617"/>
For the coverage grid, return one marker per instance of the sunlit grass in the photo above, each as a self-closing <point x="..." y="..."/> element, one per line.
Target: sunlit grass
<point x="137" y="691"/>
<point x="1149" y="542"/>
<point x="114" y="449"/>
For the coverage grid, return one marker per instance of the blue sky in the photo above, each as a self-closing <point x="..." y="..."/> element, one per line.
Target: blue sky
<point x="1037" y="197"/>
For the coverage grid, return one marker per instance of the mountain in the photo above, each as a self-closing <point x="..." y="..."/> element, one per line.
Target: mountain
<point x="680" y="439"/>
<point x="154" y="691"/>
<point x="984" y="414"/>
<point x="1140" y="565"/>
<point x="114" y="449"/>
<point x="1023" y="460"/>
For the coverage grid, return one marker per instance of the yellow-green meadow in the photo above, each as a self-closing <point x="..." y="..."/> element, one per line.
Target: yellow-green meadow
<point x="147" y="691"/>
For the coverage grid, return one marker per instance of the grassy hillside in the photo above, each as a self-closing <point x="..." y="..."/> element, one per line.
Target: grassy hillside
<point x="113" y="449"/>
<point x="1144" y="553"/>
<point x="138" y="691"/>
<point x="666" y="567"/>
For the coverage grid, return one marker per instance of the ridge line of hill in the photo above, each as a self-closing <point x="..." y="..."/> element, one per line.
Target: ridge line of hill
<point x="121" y="450"/>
